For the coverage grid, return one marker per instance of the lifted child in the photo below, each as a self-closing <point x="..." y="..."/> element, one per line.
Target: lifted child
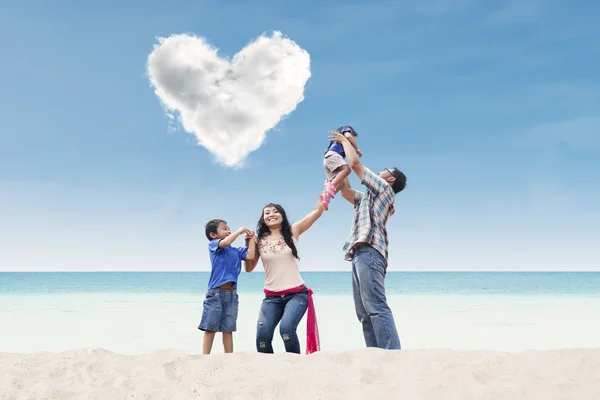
<point x="336" y="167"/>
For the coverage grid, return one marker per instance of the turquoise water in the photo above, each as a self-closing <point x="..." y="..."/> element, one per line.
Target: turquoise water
<point x="139" y="312"/>
<point x="431" y="283"/>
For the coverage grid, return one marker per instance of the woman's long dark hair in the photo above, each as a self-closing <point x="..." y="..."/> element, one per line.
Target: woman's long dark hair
<point x="263" y="230"/>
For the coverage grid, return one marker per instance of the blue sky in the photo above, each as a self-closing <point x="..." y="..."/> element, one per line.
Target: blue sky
<point x="492" y="109"/>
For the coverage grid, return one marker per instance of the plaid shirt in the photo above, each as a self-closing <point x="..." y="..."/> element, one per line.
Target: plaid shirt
<point x="371" y="211"/>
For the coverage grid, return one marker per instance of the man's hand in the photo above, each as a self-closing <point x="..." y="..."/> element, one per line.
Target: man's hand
<point x="337" y="137"/>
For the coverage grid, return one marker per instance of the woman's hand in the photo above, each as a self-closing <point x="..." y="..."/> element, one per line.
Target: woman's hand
<point x="320" y="206"/>
<point x="298" y="228"/>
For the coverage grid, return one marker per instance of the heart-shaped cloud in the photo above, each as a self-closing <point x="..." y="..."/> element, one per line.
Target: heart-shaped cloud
<point x="229" y="105"/>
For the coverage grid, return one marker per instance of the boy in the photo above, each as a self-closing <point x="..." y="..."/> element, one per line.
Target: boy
<point x="337" y="169"/>
<point x="220" y="307"/>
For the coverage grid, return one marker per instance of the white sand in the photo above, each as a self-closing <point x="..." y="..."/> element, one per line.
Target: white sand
<point x="367" y="374"/>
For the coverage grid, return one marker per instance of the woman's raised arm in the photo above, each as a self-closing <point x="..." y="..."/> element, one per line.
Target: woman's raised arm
<point x="298" y="228"/>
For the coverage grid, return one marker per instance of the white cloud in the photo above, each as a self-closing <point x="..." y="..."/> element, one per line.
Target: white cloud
<point x="229" y="105"/>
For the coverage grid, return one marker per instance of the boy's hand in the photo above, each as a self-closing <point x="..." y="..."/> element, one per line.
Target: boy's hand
<point x="359" y="153"/>
<point x="249" y="236"/>
<point x="242" y="230"/>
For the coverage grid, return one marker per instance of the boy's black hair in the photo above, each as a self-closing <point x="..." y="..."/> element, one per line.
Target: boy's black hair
<point x="347" y="128"/>
<point x="399" y="181"/>
<point x="212" y="226"/>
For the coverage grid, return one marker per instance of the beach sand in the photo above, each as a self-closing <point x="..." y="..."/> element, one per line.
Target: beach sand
<point x="366" y="374"/>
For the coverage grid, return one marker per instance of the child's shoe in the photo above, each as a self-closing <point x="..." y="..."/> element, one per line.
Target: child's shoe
<point x="330" y="189"/>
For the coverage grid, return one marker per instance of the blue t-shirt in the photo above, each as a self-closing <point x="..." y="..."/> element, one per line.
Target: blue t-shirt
<point x="337" y="147"/>
<point x="226" y="263"/>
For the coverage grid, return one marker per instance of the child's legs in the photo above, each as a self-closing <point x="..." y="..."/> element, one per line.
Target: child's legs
<point x="336" y="169"/>
<point x="228" y="325"/>
<point x="342" y="185"/>
<point x="340" y="178"/>
<point x="209" y="338"/>
<point x="228" y="342"/>
<point x="211" y="317"/>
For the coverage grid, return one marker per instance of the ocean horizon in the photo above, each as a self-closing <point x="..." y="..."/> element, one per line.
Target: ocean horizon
<point x="138" y="312"/>
<point x="322" y="282"/>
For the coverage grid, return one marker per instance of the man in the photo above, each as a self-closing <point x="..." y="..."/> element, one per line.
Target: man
<point x="367" y="246"/>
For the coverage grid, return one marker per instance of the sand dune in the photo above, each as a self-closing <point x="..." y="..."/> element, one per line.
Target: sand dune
<point x="369" y="374"/>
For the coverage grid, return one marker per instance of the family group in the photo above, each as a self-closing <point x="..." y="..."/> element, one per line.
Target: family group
<point x="275" y="242"/>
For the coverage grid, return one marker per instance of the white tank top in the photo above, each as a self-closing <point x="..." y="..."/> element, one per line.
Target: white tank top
<point x="280" y="265"/>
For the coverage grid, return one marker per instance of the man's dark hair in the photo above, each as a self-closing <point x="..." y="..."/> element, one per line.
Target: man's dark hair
<point x="399" y="181"/>
<point x="212" y="226"/>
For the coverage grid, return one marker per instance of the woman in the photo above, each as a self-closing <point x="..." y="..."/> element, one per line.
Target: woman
<point x="286" y="297"/>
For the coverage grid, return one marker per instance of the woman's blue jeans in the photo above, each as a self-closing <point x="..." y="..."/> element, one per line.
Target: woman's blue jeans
<point x="287" y="311"/>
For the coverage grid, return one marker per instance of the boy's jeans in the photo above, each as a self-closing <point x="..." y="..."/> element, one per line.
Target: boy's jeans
<point x="287" y="311"/>
<point x="368" y="274"/>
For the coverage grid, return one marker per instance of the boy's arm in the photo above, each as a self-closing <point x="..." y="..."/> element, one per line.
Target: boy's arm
<point x="354" y="144"/>
<point x="231" y="238"/>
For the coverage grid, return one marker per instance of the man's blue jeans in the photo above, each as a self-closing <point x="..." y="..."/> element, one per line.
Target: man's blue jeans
<point x="368" y="275"/>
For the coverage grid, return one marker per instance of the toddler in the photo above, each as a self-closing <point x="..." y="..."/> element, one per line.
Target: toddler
<point x="336" y="167"/>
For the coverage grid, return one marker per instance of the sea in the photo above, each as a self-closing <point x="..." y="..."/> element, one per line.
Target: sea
<point x="140" y="312"/>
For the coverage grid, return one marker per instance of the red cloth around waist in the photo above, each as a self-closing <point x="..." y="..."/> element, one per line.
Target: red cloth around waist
<point x="312" y="329"/>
